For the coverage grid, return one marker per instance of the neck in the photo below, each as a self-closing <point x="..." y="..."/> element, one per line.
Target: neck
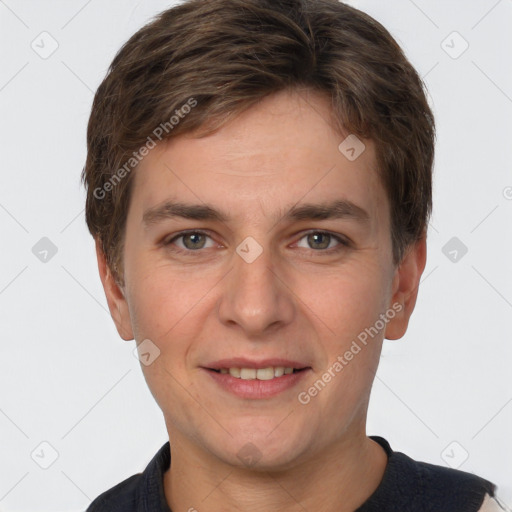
<point x="339" y="479"/>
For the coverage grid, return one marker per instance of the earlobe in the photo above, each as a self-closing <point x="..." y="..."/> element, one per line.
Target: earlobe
<point x="405" y="288"/>
<point x="115" y="295"/>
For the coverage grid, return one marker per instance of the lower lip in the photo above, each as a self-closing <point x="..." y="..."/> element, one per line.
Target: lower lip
<point x="255" y="388"/>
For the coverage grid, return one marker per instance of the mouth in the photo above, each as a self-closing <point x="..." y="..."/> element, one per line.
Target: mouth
<point x="257" y="381"/>
<point x="268" y="373"/>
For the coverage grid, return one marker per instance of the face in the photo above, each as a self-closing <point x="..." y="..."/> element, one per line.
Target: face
<point x="257" y="277"/>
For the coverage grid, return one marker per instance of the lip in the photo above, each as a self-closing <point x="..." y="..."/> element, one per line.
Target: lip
<point x="254" y="388"/>
<point x="242" y="362"/>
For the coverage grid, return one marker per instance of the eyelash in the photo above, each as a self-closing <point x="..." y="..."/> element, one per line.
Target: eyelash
<point x="343" y="244"/>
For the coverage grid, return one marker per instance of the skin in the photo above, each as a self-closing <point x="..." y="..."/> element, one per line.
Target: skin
<point x="295" y="300"/>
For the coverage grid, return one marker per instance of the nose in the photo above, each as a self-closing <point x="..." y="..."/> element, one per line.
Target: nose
<point x="256" y="296"/>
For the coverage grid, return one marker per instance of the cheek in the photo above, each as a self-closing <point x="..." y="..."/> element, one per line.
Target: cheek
<point x="162" y="304"/>
<point x="163" y="311"/>
<point x="157" y="296"/>
<point x="347" y="300"/>
<point x="344" y="310"/>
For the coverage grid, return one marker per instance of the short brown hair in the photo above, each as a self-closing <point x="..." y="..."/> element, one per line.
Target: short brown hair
<point x="227" y="55"/>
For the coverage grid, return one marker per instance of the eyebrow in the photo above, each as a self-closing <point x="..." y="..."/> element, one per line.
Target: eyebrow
<point x="338" y="209"/>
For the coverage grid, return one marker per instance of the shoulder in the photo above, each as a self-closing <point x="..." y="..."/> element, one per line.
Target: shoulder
<point x="421" y="486"/>
<point x="453" y="489"/>
<point x="143" y="491"/>
<point x="122" y="497"/>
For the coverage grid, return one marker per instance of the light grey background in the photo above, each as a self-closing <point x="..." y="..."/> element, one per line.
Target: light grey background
<point x="442" y="393"/>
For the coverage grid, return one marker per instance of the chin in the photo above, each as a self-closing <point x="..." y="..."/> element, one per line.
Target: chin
<point x="263" y="446"/>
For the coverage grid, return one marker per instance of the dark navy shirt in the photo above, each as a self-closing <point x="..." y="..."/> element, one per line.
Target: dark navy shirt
<point x="407" y="486"/>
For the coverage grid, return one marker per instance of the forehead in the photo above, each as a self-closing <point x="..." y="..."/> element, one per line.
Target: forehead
<point x="283" y="151"/>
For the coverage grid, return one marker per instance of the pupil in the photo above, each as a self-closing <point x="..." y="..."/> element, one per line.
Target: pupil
<point x="315" y="236"/>
<point x="195" y="238"/>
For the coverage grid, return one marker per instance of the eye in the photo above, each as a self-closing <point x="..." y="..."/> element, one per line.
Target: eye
<point x="194" y="240"/>
<point x="191" y="241"/>
<point x="321" y="240"/>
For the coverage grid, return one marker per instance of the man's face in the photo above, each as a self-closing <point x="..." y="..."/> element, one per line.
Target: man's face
<point x="261" y="284"/>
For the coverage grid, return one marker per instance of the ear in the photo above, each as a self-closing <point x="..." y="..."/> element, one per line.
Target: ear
<point x="405" y="288"/>
<point x="115" y="297"/>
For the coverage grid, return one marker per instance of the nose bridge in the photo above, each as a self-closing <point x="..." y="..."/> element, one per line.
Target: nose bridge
<point x="254" y="297"/>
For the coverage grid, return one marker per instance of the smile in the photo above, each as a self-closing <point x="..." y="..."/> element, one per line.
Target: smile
<point x="258" y="373"/>
<point x="257" y="383"/>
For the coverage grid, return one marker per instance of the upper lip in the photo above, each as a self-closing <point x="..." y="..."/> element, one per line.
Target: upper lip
<point x="242" y="362"/>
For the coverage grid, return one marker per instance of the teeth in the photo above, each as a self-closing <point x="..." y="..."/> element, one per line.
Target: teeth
<point x="265" y="373"/>
<point x="247" y="373"/>
<point x="234" y="372"/>
<point x="260" y="373"/>
<point x="279" y="371"/>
